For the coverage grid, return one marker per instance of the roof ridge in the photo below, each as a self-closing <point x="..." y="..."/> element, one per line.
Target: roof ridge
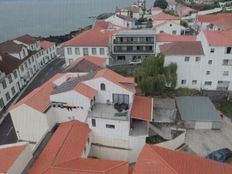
<point x="162" y="159"/>
<point x="71" y="127"/>
<point x="120" y="164"/>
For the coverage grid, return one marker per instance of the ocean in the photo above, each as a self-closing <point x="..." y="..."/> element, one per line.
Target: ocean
<point x="51" y="17"/>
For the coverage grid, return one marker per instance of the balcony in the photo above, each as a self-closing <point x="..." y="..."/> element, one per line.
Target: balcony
<point x="140" y="49"/>
<point x="134" y="42"/>
<point x="108" y="111"/>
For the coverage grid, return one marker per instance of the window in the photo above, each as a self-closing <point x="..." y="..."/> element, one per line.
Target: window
<point x="69" y="51"/>
<point x="103" y="87"/>
<point x="208" y="83"/>
<point x="1" y="103"/>
<point x="183" y="82"/>
<point x="29" y="61"/>
<point x="26" y="65"/>
<point x="93" y="123"/>
<point x="15" y="74"/>
<point x="111" y="126"/>
<point x="207" y="72"/>
<point x="121" y="58"/>
<point x="186" y="59"/>
<point x="10" y="78"/>
<point x="174" y="32"/>
<point x="226" y="73"/>
<point x="102" y="51"/>
<point x="7" y="96"/>
<point x="210" y="62"/>
<point x="228" y="50"/>
<point x="161" y="31"/>
<point x="13" y="90"/>
<point x="194" y="82"/>
<point x="198" y="59"/>
<point x="85" y="51"/>
<point x="94" y="51"/>
<point x="70" y="61"/>
<point x="77" y="51"/>
<point x="22" y="68"/>
<point x="4" y="84"/>
<point x="170" y="25"/>
<point x="212" y="50"/>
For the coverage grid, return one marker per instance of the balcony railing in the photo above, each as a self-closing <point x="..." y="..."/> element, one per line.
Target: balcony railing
<point x="133" y="42"/>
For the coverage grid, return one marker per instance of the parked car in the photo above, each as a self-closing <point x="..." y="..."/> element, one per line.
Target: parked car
<point x="221" y="155"/>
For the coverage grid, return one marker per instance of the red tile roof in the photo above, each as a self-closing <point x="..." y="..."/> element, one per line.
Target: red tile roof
<point x="27" y="39"/>
<point x="142" y="108"/>
<point x="86" y="64"/>
<point x="63" y="154"/>
<point x="182" y="48"/>
<point x="91" y="166"/>
<point x="39" y="98"/>
<point x="8" y="155"/>
<point x="164" y="37"/>
<point x="86" y="90"/>
<point x="8" y="63"/>
<point x="116" y="78"/>
<point x="164" y="16"/>
<point x="66" y="144"/>
<point x="220" y="19"/>
<point x="97" y="36"/>
<point x="219" y="38"/>
<point x="157" y="160"/>
<point x="46" y="44"/>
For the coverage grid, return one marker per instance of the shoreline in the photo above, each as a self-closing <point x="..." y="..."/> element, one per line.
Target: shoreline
<point x="58" y="39"/>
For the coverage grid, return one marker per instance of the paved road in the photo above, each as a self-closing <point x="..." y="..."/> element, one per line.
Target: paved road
<point x="7" y="132"/>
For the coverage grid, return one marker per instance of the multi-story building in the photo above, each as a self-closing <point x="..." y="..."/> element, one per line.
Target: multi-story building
<point x="103" y="99"/>
<point x="203" y="64"/>
<point x="93" y="42"/>
<point x="217" y="70"/>
<point x="20" y="59"/>
<point x="132" y="46"/>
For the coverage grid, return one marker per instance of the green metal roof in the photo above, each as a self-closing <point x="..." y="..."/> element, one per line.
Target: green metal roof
<point x="197" y="109"/>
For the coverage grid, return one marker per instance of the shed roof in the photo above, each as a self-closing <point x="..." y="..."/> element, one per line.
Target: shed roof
<point x="197" y="109"/>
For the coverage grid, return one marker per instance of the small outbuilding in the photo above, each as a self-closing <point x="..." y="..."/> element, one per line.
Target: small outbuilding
<point x="198" y="113"/>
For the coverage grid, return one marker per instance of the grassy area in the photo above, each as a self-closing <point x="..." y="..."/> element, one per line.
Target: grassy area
<point x="225" y="107"/>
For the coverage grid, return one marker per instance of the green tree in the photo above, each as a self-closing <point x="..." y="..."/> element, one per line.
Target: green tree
<point x="153" y="77"/>
<point x="161" y="3"/>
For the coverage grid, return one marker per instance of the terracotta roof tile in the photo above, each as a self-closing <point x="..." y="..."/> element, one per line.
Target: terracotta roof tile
<point x="39" y="98"/>
<point x="85" y="90"/>
<point x="142" y="108"/>
<point x="10" y="47"/>
<point x="66" y="144"/>
<point x="97" y="36"/>
<point x="219" y="38"/>
<point x="46" y="44"/>
<point x="164" y="16"/>
<point x="157" y="160"/>
<point x="117" y="79"/>
<point x="182" y="48"/>
<point x="164" y="37"/>
<point x="86" y="64"/>
<point x="221" y="20"/>
<point x="8" y="63"/>
<point x="27" y="39"/>
<point x="8" y="155"/>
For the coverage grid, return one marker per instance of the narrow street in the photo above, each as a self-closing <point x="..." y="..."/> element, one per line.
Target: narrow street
<point x="7" y="131"/>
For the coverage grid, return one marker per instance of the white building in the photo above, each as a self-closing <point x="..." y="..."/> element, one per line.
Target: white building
<point x="103" y="99"/>
<point x="20" y="60"/>
<point x="217" y="47"/>
<point x="169" y="27"/>
<point x="190" y="60"/>
<point x="163" y="17"/>
<point x="121" y="20"/>
<point x="93" y="42"/>
<point x="14" y="158"/>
